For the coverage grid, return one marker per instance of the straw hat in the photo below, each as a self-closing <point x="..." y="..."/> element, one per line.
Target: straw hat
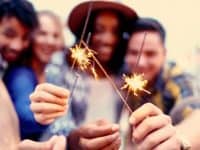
<point x="79" y="12"/>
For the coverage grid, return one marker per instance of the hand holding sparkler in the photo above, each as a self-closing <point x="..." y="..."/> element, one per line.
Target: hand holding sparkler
<point x="49" y="102"/>
<point x="95" y="135"/>
<point x="152" y="129"/>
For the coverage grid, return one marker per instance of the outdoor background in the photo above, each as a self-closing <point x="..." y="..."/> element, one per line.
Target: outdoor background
<point x="181" y="18"/>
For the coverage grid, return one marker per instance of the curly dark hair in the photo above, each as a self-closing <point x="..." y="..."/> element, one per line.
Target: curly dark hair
<point x="20" y="9"/>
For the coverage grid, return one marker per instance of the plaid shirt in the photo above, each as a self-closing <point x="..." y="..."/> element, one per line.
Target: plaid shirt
<point x="171" y="86"/>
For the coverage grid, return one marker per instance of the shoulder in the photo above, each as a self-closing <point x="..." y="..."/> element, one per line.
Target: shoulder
<point x="179" y="78"/>
<point x="19" y="75"/>
<point x="19" y="70"/>
<point x="173" y="71"/>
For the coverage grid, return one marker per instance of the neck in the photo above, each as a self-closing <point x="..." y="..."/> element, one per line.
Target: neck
<point x="39" y="69"/>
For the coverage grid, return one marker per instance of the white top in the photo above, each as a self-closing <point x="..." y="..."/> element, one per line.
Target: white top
<point x="101" y="101"/>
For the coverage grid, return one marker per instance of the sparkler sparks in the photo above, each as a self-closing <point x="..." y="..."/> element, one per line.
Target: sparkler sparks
<point x="135" y="83"/>
<point x="81" y="56"/>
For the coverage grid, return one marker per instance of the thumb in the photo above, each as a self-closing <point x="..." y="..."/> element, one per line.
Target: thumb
<point x="31" y="145"/>
<point x="59" y="143"/>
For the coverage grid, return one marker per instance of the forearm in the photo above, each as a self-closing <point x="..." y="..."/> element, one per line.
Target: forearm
<point x="189" y="128"/>
<point x="9" y="123"/>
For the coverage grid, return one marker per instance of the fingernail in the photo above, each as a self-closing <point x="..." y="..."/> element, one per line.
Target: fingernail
<point x="132" y="120"/>
<point x="115" y="135"/>
<point x="133" y="140"/>
<point x="115" y="127"/>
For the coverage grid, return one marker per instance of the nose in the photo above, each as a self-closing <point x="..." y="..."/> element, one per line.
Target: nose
<point x="142" y="61"/>
<point x="109" y="38"/>
<point x="50" y="40"/>
<point x="17" y="45"/>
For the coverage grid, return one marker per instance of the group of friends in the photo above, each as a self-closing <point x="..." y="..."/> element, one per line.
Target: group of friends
<point x="38" y="109"/>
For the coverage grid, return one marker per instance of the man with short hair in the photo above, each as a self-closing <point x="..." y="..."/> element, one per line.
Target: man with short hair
<point x="167" y="83"/>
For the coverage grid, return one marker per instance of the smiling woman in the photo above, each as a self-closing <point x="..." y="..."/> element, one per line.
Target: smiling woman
<point x="48" y="38"/>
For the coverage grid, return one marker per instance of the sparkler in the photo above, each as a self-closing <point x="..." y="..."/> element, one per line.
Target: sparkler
<point x="73" y="87"/>
<point x="136" y="82"/>
<point x="79" y="55"/>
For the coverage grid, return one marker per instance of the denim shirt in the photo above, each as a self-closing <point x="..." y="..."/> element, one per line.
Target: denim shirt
<point x="60" y="73"/>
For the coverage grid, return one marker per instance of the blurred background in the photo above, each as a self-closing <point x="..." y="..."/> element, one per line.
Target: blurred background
<point x="180" y="18"/>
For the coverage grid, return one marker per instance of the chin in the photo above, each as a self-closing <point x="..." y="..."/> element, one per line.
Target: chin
<point x="10" y="59"/>
<point x="104" y="60"/>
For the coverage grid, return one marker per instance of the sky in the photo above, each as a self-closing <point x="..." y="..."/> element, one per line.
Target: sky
<point x="180" y="18"/>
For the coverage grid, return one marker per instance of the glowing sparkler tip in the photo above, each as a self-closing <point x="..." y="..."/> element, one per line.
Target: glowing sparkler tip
<point x="135" y="83"/>
<point x="81" y="56"/>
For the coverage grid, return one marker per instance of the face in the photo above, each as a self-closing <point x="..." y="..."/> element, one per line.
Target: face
<point x="105" y="36"/>
<point x="14" y="38"/>
<point x="152" y="57"/>
<point x="47" y="39"/>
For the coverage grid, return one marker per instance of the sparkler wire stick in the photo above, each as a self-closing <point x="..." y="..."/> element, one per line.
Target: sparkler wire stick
<point x="141" y="50"/>
<point x="73" y="64"/>
<point x="136" y="64"/>
<point x="112" y="83"/>
<point x="127" y="95"/>
<point x="73" y="87"/>
<point x="88" y="38"/>
<point x="86" y="21"/>
<point x="81" y="39"/>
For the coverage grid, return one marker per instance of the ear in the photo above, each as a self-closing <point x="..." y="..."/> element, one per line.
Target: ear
<point x="165" y="51"/>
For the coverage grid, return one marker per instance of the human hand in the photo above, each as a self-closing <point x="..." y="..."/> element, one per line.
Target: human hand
<point x="153" y="130"/>
<point x="98" y="135"/>
<point x="48" y="102"/>
<point x="54" y="143"/>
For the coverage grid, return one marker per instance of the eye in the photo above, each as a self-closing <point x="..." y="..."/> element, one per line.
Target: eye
<point x="56" y="35"/>
<point x="133" y="52"/>
<point x="99" y="29"/>
<point x="40" y="32"/>
<point x="150" y="53"/>
<point x="9" y="33"/>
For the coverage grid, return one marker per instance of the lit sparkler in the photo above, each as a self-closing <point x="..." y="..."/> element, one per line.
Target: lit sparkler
<point x="81" y="57"/>
<point x="135" y="83"/>
<point x="79" y="54"/>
